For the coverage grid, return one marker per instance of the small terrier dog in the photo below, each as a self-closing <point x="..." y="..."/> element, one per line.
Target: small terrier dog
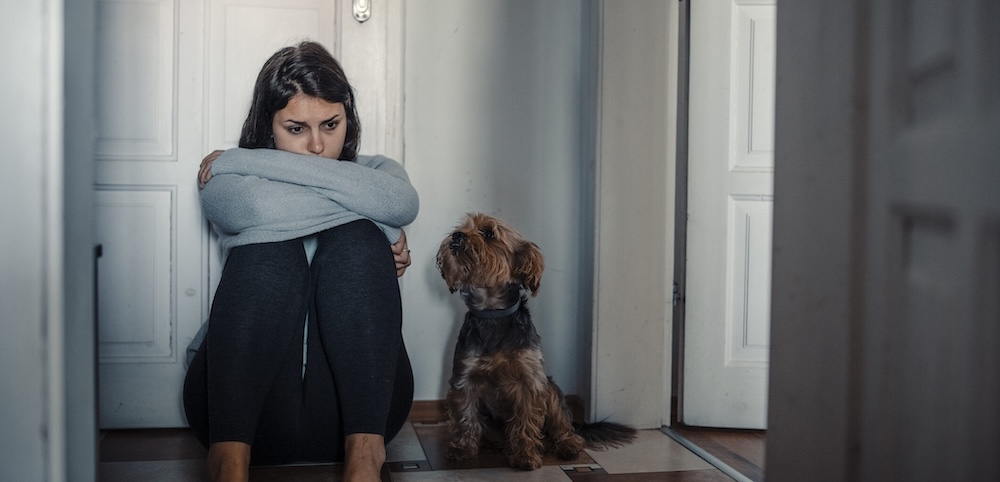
<point x="498" y="379"/>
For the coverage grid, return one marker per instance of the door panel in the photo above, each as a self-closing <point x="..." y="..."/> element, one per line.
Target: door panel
<point x="135" y="80"/>
<point x="135" y="231"/>
<point x="146" y="210"/>
<point x="242" y="35"/>
<point x="730" y="205"/>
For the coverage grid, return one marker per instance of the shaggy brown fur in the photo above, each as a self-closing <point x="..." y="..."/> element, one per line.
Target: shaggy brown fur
<point x="498" y="379"/>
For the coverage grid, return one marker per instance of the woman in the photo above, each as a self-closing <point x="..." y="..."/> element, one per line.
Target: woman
<point x="312" y="241"/>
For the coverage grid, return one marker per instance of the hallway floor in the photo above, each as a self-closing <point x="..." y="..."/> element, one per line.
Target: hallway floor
<point x="417" y="454"/>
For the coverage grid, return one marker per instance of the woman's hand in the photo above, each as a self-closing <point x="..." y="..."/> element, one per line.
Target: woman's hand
<point x="205" y="172"/>
<point x="401" y="254"/>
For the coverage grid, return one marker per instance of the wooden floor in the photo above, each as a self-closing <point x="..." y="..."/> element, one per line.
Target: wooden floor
<point x="418" y="454"/>
<point x="742" y="450"/>
<point x="173" y="455"/>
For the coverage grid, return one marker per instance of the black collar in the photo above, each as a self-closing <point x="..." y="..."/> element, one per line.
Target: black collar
<point x="496" y="313"/>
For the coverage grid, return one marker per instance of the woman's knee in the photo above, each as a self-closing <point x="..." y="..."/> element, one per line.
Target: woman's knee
<point x="288" y="254"/>
<point x="283" y="261"/>
<point x="362" y="231"/>
<point x="264" y="274"/>
<point x="358" y="240"/>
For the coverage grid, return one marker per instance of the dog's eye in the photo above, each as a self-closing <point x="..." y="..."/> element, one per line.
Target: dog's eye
<point x="488" y="233"/>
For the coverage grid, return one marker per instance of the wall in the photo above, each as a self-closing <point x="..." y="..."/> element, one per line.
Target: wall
<point x="23" y="449"/>
<point x="497" y="112"/>
<point x="809" y="417"/>
<point x="46" y="351"/>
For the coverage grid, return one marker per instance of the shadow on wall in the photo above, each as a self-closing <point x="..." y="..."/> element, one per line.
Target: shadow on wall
<point x="498" y="120"/>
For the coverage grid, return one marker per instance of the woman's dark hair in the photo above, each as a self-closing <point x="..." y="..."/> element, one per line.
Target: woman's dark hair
<point x="306" y="68"/>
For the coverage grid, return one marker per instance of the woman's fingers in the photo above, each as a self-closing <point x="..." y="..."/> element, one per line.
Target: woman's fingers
<point x="205" y="170"/>
<point x="403" y="261"/>
<point x="401" y="254"/>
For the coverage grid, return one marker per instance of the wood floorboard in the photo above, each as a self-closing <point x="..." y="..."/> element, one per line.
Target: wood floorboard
<point x="149" y="444"/>
<point x="743" y="450"/>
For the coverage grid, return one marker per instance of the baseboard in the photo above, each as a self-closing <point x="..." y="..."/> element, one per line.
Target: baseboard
<point x="435" y="411"/>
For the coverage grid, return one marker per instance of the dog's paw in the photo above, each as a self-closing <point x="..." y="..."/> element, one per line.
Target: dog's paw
<point x="569" y="448"/>
<point x="526" y="462"/>
<point x="458" y="453"/>
<point x="567" y="453"/>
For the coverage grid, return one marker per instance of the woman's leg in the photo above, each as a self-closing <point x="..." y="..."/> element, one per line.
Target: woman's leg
<point x="255" y="326"/>
<point x="325" y="436"/>
<point x="359" y="318"/>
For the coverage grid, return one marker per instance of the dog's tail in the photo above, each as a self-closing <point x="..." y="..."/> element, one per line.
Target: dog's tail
<point x="604" y="435"/>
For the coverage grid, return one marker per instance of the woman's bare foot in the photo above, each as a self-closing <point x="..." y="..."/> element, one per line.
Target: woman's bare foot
<point x="364" y="457"/>
<point x="229" y="462"/>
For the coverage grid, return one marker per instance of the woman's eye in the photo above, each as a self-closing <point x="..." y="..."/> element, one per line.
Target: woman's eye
<point x="332" y="125"/>
<point x="295" y="129"/>
<point x="488" y="233"/>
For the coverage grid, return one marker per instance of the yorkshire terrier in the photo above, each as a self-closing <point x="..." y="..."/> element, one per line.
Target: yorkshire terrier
<point x="498" y="379"/>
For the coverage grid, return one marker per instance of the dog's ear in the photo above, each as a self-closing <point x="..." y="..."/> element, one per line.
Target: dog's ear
<point x="439" y="261"/>
<point x="528" y="266"/>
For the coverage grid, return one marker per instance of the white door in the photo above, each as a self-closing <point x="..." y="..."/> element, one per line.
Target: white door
<point x="174" y="82"/>
<point x="931" y="319"/>
<point x="730" y="201"/>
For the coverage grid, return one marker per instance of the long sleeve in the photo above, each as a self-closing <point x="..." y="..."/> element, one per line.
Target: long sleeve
<point x="375" y="187"/>
<point x="265" y="195"/>
<point x="236" y="204"/>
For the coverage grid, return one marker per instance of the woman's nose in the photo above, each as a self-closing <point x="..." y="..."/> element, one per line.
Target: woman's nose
<point x="316" y="144"/>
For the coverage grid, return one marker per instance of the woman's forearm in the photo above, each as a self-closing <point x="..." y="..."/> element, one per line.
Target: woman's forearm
<point x="234" y="204"/>
<point x="374" y="187"/>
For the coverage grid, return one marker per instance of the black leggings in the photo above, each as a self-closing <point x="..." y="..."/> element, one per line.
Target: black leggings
<point x="246" y="382"/>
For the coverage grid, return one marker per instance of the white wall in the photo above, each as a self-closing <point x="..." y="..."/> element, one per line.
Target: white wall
<point x="497" y="106"/>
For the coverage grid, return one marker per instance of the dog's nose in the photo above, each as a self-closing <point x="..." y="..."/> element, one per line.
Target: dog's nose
<point x="457" y="241"/>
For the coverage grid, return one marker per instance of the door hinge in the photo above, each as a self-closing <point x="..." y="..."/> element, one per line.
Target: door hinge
<point x="676" y="298"/>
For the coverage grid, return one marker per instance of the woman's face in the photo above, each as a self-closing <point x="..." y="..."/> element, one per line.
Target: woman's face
<point x="310" y="125"/>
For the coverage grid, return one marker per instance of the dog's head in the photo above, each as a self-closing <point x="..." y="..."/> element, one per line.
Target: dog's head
<point x="483" y="253"/>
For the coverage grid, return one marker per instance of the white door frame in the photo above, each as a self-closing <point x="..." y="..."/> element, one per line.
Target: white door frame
<point x="634" y="232"/>
<point x="47" y="352"/>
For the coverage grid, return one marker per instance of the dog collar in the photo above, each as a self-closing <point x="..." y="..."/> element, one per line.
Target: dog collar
<point x="496" y="313"/>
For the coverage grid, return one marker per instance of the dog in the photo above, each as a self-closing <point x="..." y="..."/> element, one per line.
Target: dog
<point x="498" y="380"/>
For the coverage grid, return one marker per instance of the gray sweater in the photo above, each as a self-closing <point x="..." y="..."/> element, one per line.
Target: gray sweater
<point x="267" y="195"/>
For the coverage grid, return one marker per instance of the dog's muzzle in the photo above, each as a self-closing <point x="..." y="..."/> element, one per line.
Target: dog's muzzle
<point x="458" y="241"/>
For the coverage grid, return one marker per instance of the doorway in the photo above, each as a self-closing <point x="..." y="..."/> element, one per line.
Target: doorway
<point x="724" y="205"/>
<point x="729" y="206"/>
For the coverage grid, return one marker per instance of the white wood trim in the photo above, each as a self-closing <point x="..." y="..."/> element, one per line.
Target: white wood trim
<point x="54" y="244"/>
<point x="394" y="78"/>
<point x="634" y="209"/>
